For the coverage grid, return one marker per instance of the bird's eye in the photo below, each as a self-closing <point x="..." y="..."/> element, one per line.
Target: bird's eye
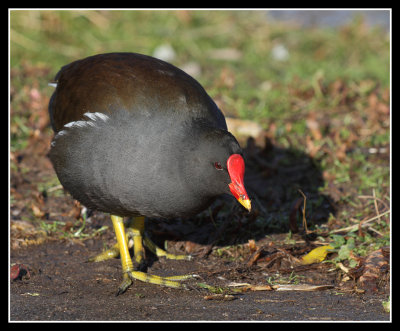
<point x="217" y="165"/>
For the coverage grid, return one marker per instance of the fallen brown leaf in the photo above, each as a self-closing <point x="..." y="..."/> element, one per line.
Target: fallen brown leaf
<point x="373" y="267"/>
<point x="252" y="245"/>
<point x="313" y="126"/>
<point x="301" y="287"/>
<point x="18" y="271"/>
<point x="249" y="287"/>
<point x="37" y="211"/>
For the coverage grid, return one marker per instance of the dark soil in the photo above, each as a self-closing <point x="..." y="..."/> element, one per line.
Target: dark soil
<point x="63" y="287"/>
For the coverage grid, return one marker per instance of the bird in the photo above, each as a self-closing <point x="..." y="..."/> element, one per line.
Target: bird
<point x="137" y="137"/>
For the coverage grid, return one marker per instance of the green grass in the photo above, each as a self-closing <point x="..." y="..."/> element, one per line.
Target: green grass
<point x="262" y="85"/>
<point x="57" y="37"/>
<point x="338" y="77"/>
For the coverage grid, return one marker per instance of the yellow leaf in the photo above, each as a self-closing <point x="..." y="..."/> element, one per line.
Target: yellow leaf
<point x="316" y="255"/>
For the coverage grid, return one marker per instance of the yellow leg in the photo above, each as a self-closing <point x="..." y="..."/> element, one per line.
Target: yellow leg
<point x="136" y="231"/>
<point x="127" y="266"/>
<point x="160" y="252"/>
<point x="106" y="255"/>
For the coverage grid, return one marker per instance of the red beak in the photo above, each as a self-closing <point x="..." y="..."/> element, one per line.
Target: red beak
<point x="235" y="166"/>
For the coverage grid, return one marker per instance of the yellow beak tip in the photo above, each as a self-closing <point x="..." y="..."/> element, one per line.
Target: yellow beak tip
<point x="246" y="203"/>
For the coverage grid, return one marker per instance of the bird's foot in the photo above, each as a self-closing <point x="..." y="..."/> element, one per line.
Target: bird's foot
<point x="172" y="281"/>
<point x="159" y="252"/>
<point x="113" y="252"/>
<point x="133" y="269"/>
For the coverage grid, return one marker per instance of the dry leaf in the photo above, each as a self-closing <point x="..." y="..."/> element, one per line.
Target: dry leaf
<point x="313" y="126"/>
<point x="36" y="211"/>
<point x="301" y="287"/>
<point x="260" y="288"/>
<point x="374" y="266"/>
<point x="19" y="271"/>
<point x="249" y="287"/>
<point x="252" y="245"/>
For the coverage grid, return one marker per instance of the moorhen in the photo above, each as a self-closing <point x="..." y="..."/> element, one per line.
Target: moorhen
<point x="138" y="137"/>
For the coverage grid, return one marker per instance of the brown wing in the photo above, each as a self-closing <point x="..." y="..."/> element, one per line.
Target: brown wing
<point x="134" y="82"/>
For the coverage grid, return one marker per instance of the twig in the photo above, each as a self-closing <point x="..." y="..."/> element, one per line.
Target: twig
<point x="376" y="205"/>
<point x="375" y="198"/>
<point x="341" y="266"/>
<point x="54" y="188"/>
<point x="365" y="223"/>
<point x="376" y="231"/>
<point x="304" y="211"/>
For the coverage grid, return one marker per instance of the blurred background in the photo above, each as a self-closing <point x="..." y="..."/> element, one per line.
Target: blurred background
<point x="315" y="84"/>
<point x="256" y="56"/>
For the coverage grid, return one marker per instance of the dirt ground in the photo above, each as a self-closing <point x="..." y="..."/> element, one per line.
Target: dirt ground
<point x="63" y="287"/>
